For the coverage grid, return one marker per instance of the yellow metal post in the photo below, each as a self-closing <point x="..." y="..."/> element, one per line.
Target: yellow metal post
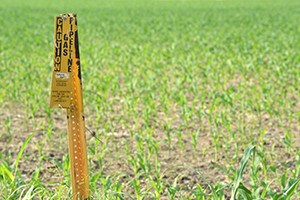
<point x="66" y="92"/>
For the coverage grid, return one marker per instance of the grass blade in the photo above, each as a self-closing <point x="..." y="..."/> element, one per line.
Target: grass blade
<point x="6" y="172"/>
<point x="16" y="163"/>
<point x="290" y="190"/>
<point x="238" y="178"/>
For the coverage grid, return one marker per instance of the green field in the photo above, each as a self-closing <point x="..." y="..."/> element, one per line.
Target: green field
<point x="177" y="92"/>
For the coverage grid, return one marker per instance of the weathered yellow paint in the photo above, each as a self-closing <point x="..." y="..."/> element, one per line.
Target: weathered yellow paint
<point x="61" y="78"/>
<point x="73" y="102"/>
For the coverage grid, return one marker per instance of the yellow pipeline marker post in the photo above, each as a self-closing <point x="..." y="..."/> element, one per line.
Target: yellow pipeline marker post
<point x="66" y="92"/>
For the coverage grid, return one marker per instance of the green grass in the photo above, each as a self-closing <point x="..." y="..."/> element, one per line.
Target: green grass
<point x="176" y="91"/>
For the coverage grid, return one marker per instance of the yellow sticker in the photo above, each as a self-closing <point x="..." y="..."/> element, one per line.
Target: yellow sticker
<point x="61" y="87"/>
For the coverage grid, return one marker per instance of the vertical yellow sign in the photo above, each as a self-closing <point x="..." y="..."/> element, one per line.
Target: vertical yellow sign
<point x="61" y="75"/>
<point x="66" y="92"/>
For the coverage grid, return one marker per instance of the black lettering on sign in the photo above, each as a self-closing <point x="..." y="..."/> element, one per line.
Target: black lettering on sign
<point x="65" y="37"/>
<point x="58" y="43"/>
<point x="59" y="21"/>
<point x="65" y="45"/>
<point x="58" y="33"/>
<point x="57" y="49"/>
<point x="57" y="60"/>
<point x="70" y="61"/>
<point x="56" y="65"/>
<point x="65" y="52"/>
<point x="71" y="37"/>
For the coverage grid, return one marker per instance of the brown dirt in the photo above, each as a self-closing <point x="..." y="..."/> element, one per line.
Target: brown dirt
<point x="182" y="164"/>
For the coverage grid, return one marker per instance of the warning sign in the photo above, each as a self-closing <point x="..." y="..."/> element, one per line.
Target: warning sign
<point x="64" y="56"/>
<point x="66" y="92"/>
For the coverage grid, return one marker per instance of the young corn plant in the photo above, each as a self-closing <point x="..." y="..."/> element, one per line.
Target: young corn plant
<point x="240" y="191"/>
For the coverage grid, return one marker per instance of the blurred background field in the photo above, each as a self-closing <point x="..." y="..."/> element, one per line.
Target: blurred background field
<point x="176" y="92"/>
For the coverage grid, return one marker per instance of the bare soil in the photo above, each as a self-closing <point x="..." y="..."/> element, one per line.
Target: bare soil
<point x="178" y="162"/>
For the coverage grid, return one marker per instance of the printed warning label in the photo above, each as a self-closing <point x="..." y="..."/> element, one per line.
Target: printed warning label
<point x="64" y="54"/>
